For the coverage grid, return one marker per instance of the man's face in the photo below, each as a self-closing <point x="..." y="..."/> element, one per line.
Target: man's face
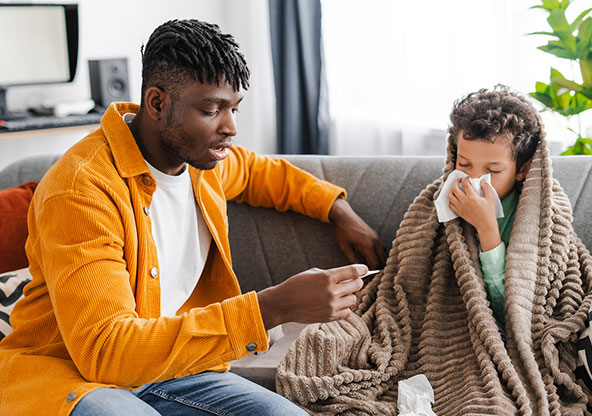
<point x="200" y="124"/>
<point x="478" y="157"/>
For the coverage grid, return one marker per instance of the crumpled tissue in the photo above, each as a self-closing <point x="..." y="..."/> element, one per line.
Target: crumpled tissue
<point x="415" y="397"/>
<point x="442" y="208"/>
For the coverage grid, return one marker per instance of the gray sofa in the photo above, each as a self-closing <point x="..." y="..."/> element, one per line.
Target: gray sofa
<point x="269" y="246"/>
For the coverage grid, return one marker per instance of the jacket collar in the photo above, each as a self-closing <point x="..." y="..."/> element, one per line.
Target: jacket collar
<point x="126" y="153"/>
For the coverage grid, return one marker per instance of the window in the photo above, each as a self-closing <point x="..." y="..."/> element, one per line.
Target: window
<point x="395" y="66"/>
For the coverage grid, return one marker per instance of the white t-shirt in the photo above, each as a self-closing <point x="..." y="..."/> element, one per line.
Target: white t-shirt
<point x="181" y="236"/>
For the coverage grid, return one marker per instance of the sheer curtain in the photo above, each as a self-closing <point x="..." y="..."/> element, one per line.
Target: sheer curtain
<point x="395" y="68"/>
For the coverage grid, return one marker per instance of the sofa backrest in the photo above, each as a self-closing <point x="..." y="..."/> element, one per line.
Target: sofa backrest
<point x="269" y="246"/>
<point x="29" y="169"/>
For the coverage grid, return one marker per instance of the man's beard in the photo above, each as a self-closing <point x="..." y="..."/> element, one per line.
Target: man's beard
<point x="176" y="152"/>
<point x="172" y="131"/>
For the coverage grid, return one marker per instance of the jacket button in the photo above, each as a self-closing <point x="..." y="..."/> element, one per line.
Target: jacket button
<point x="147" y="211"/>
<point x="154" y="272"/>
<point x="70" y="397"/>
<point x="251" y="347"/>
<point x="147" y="180"/>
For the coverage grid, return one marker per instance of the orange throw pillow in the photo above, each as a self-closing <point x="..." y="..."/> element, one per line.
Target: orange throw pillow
<point x="14" y="205"/>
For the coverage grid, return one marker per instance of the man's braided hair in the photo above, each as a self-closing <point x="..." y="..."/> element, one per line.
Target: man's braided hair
<point x="183" y="51"/>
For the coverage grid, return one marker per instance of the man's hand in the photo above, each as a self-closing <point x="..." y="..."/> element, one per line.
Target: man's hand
<point x="314" y="295"/>
<point x="353" y="234"/>
<point x="479" y="211"/>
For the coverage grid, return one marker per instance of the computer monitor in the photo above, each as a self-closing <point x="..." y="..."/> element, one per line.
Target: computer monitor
<point x="38" y="45"/>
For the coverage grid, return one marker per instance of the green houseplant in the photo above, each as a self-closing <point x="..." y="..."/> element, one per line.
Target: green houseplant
<point x="571" y="41"/>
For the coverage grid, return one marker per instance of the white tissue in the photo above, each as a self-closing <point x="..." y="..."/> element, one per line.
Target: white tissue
<point x="442" y="208"/>
<point x="415" y="397"/>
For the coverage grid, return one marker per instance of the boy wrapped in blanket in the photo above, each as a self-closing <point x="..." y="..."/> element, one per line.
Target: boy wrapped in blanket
<point x="489" y="309"/>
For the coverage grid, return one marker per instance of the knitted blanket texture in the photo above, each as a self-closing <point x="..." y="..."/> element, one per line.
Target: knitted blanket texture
<point x="427" y="313"/>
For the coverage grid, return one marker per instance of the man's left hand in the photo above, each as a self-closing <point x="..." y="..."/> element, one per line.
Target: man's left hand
<point x="354" y="235"/>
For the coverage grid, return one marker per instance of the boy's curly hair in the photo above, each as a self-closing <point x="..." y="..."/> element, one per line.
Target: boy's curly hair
<point x="491" y="114"/>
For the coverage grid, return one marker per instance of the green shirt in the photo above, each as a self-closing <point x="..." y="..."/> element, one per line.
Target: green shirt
<point x="493" y="262"/>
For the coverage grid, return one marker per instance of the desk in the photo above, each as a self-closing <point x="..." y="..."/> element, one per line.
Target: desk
<point x="27" y="134"/>
<point x="20" y="144"/>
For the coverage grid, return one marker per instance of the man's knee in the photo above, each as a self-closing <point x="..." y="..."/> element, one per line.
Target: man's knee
<point x="225" y="393"/>
<point x="271" y="403"/>
<point x="264" y="402"/>
<point x="112" y="402"/>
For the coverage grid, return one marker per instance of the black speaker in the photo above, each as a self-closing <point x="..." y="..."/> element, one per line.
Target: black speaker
<point x="109" y="81"/>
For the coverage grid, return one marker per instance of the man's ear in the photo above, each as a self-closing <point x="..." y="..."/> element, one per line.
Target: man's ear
<point x="521" y="175"/>
<point x="155" y="100"/>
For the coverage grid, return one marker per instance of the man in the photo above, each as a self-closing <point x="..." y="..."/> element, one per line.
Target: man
<point x="134" y="308"/>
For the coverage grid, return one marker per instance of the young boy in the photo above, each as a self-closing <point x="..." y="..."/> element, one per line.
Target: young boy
<point x="448" y="287"/>
<point x="492" y="132"/>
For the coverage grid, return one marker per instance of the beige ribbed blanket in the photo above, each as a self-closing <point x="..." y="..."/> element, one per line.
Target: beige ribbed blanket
<point x="428" y="312"/>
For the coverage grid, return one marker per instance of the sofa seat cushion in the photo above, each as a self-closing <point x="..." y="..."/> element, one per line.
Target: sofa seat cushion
<point x="14" y="205"/>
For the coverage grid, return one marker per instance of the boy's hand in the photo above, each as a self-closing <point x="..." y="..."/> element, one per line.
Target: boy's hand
<point x="479" y="211"/>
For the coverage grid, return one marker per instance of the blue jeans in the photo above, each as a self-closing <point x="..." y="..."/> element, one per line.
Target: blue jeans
<point x="208" y="393"/>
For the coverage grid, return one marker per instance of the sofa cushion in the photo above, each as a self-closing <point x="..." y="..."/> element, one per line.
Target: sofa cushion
<point x="14" y="205"/>
<point x="11" y="290"/>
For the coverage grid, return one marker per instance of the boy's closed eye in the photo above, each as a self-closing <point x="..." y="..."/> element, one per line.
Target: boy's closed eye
<point x="488" y="170"/>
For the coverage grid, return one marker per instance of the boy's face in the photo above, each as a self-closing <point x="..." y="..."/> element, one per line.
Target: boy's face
<point x="478" y="157"/>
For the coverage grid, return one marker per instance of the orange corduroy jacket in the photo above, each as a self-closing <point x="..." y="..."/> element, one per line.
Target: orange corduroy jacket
<point x="91" y="316"/>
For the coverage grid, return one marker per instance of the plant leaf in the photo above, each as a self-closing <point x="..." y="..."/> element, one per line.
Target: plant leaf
<point x="565" y="47"/>
<point x="585" y="146"/>
<point x="544" y="99"/>
<point x="544" y="33"/>
<point x="577" y="20"/>
<point x="586" y="70"/>
<point x="585" y="29"/>
<point x="563" y="102"/>
<point x="557" y="21"/>
<point x="547" y="5"/>
<point x="582" y="146"/>
<point x="557" y="50"/>
<point x="564" y="4"/>
<point x="586" y="92"/>
<point x="555" y="74"/>
<point x="584" y="37"/>
<point x="560" y="81"/>
<point x="568" y="152"/>
<point x="541" y="87"/>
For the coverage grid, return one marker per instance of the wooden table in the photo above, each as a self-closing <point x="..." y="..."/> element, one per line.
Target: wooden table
<point x="261" y="367"/>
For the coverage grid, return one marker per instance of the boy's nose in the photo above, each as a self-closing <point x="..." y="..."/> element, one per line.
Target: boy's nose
<point x="471" y="172"/>
<point x="474" y="173"/>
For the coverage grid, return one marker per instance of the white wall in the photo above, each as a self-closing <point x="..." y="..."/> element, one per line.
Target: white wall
<point x="115" y="28"/>
<point x="248" y="21"/>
